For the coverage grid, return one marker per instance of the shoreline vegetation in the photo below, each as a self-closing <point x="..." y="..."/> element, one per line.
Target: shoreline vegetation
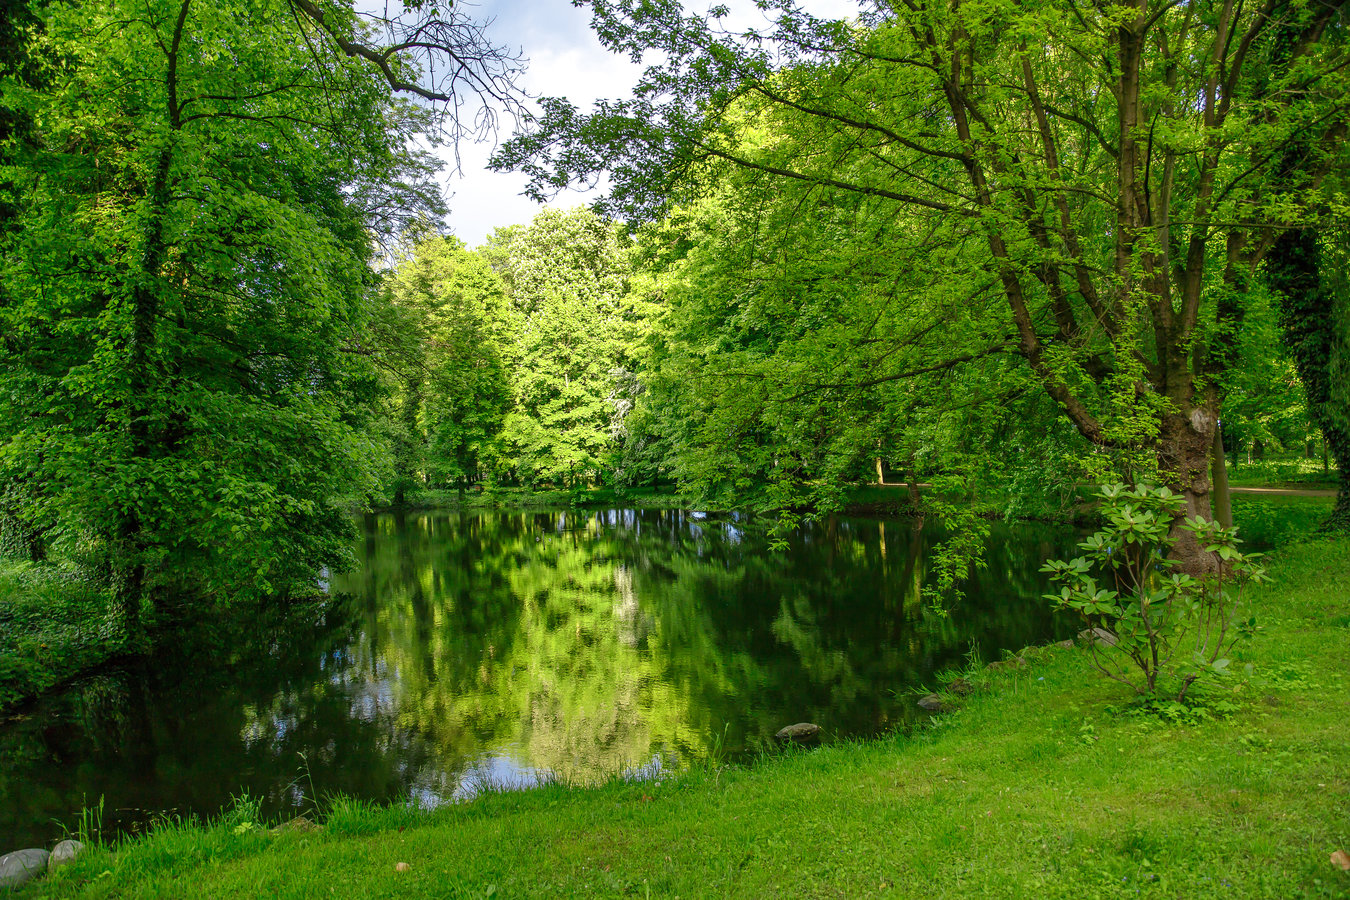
<point x="1046" y="780"/>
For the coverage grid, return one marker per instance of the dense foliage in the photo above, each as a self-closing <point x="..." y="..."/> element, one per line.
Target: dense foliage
<point x="1089" y="191"/>
<point x="196" y="194"/>
<point x="998" y="250"/>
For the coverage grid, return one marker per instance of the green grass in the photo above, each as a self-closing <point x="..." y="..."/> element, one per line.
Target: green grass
<point x="1043" y="785"/>
<point x="53" y="625"/>
<point x="1272" y="520"/>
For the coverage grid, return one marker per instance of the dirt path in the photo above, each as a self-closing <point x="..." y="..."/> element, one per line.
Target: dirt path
<point x="1286" y="492"/>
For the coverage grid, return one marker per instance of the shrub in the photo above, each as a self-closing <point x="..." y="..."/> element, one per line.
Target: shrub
<point x="1162" y="621"/>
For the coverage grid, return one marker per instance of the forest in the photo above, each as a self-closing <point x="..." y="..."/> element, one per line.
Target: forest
<point x="980" y="257"/>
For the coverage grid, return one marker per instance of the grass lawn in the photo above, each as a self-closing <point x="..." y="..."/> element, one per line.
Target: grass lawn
<point x="1043" y="785"/>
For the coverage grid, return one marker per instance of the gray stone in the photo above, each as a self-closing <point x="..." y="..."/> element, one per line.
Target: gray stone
<point x="298" y="824"/>
<point x="1065" y="645"/>
<point x="961" y="687"/>
<point x="1012" y="662"/>
<point x="801" y="733"/>
<point x="932" y="703"/>
<point x="64" y="852"/>
<point x="22" y="866"/>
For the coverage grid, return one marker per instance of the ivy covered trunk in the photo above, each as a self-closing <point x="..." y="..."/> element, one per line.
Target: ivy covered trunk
<point x="1307" y="271"/>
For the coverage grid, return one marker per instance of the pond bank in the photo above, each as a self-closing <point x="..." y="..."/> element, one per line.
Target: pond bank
<point x="1043" y="784"/>
<point x="509" y="647"/>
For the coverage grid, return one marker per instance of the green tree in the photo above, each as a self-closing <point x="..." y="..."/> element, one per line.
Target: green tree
<point x="453" y="392"/>
<point x="1308" y="269"/>
<point x="185" y="379"/>
<point x="20" y="62"/>
<point x="1105" y="180"/>
<point x="580" y="331"/>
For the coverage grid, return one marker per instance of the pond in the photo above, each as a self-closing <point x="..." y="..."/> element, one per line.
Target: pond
<point x="500" y="648"/>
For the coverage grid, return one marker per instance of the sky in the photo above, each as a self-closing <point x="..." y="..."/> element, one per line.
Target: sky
<point x="565" y="60"/>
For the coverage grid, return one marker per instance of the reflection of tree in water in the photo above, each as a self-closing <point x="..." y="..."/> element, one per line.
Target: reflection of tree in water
<point x="831" y="629"/>
<point x="218" y="711"/>
<point x="494" y="645"/>
<point x="534" y="642"/>
<point x="583" y="643"/>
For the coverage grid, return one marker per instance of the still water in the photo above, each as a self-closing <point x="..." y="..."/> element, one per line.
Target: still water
<point x="468" y="649"/>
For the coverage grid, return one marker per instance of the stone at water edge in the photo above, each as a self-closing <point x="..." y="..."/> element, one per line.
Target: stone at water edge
<point x="801" y="733"/>
<point x="1100" y="635"/>
<point x="62" y="853"/>
<point x="961" y="687"/>
<point x="298" y="824"/>
<point x="931" y="702"/>
<point x="22" y="866"/>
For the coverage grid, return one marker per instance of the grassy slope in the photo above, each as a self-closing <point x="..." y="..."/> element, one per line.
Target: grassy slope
<point x="1035" y="788"/>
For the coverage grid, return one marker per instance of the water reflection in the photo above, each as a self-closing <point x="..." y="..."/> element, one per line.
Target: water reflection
<point x="496" y="649"/>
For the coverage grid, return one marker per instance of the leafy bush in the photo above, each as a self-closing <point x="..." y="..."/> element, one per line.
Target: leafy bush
<point x="1157" y="619"/>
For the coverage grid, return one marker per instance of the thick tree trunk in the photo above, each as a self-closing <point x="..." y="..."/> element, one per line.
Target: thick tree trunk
<point x="1313" y="312"/>
<point x="144" y="370"/>
<point x="1340" y="516"/>
<point x="1184" y="447"/>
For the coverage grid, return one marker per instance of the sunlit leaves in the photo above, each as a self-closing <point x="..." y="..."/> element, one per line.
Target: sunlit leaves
<point x="185" y="381"/>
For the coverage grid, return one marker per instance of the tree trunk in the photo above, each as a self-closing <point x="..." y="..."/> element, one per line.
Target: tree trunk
<point x="1223" y="501"/>
<point x="1184" y="447"/>
<point x="143" y="369"/>
<point x="1305" y="272"/>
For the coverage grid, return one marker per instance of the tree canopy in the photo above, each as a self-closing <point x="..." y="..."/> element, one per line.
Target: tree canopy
<point x="1025" y="244"/>
<point x="1098" y="184"/>
<point x="188" y="280"/>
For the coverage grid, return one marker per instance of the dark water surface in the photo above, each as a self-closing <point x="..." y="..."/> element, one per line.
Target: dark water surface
<point x="495" y="647"/>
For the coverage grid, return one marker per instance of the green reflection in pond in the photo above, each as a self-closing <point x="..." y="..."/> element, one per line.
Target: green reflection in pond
<point x="495" y="647"/>
<point x="587" y="643"/>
